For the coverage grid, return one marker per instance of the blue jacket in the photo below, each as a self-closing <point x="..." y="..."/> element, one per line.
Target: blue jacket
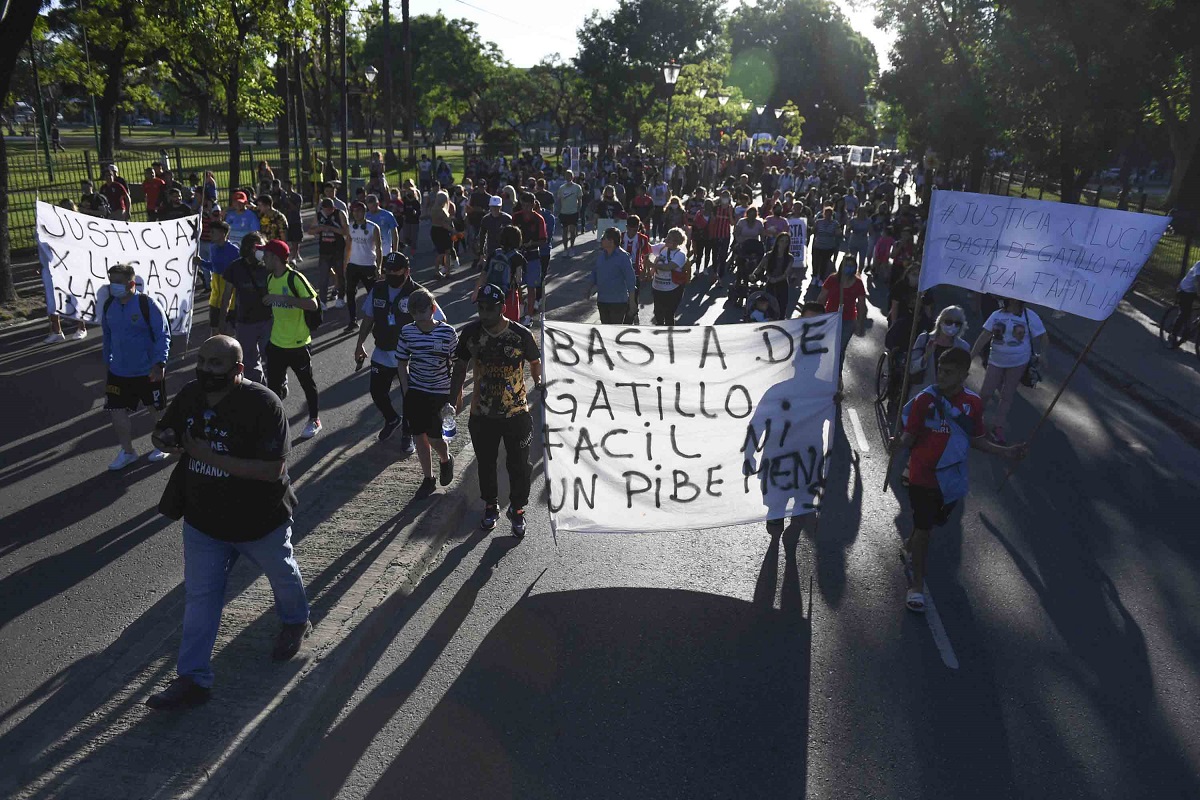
<point x="221" y="257"/>
<point x="241" y="223"/>
<point x="131" y="347"/>
<point x="614" y="277"/>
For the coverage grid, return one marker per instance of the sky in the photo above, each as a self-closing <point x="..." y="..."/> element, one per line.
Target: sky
<point x="529" y="30"/>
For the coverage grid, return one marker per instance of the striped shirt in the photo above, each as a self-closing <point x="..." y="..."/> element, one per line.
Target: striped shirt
<point x="428" y="356"/>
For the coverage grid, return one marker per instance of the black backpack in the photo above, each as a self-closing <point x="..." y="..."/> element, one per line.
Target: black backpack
<point x="143" y="304"/>
<point x="313" y="319"/>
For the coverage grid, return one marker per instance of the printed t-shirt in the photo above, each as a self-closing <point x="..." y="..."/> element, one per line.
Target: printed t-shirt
<point x="249" y="422"/>
<point x="666" y="265"/>
<point x="931" y="427"/>
<point x="428" y="354"/>
<point x="289" y="330"/>
<point x="499" y="366"/>
<point x="856" y="290"/>
<point x="1012" y="337"/>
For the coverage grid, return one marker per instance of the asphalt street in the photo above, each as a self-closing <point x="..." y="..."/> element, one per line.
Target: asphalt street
<point x="1062" y="658"/>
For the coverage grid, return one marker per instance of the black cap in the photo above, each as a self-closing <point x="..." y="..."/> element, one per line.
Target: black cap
<point x="394" y="261"/>
<point x="491" y="294"/>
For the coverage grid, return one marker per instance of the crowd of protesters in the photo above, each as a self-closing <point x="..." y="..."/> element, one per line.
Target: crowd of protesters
<point x="752" y="227"/>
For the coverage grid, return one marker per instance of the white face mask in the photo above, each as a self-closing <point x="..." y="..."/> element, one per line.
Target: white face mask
<point x="951" y="328"/>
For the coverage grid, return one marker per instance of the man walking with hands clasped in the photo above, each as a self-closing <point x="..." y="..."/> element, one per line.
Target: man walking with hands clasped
<point x="235" y="497"/>
<point x="499" y="349"/>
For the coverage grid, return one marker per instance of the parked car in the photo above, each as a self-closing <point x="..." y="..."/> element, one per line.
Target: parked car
<point x="142" y="122"/>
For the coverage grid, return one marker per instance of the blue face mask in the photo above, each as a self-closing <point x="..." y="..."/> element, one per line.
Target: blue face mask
<point x="118" y="289"/>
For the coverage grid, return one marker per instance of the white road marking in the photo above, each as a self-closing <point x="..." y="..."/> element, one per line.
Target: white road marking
<point x="945" y="649"/>
<point x="863" y="445"/>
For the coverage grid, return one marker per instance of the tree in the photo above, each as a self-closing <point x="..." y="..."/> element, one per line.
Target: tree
<point x="16" y="24"/>
<point x="450" y="63"/>
<point x="621" y="55"/>
<point x="804" y="52"/>
<point x="125" y="38"/>
<point x="693" y="118"/>
<point x="937" y="90"/>
<point x="557" y="92"/>
<point x="1174" y="69"/>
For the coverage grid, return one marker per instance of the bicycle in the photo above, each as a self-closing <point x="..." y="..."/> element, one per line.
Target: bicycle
<point x="1172" y="333"/>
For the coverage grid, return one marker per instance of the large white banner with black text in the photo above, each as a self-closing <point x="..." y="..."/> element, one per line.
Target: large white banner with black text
<point x="1078" y="259"/>
<point x="78" y="250"/>
<point x="655" y="429"/>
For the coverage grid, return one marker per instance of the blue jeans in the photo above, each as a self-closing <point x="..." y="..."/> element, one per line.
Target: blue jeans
<point x="206" y="565"/>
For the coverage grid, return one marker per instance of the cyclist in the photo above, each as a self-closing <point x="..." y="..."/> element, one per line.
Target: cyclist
<point x="1186" y="298"/>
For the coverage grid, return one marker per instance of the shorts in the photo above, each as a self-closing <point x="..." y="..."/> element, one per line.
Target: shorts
<point x="122" y="393"/>
<point x="441" y="239"/>
<point x="928" y="509"/>
<point x="423" y="412"/>
<point x="569" y="219"/>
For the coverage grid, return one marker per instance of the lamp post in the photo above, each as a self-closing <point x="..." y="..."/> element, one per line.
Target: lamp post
<point x="370" y="73"/>
<point x="760" y="109"/>
<point x="670" y="76"/>
<point x="722" y="99"/>
<point x="745" y="105"/>
<point x="701" y="92"/>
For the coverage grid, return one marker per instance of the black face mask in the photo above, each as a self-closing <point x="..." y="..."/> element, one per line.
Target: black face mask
<point x="214" y="381"/>
<point x="395" y="281"/>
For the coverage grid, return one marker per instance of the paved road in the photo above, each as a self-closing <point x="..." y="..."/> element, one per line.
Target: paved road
<point x="702" y="664"/>
<point x="1062" y="660"/>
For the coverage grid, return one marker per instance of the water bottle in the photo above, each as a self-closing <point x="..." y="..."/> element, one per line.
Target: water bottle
<point x="449" y="428"/>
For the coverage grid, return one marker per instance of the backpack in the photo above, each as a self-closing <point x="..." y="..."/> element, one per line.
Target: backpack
<point x="143" y="304"/>
<point x="312" y="319"/>
<point x="499" y="270"/>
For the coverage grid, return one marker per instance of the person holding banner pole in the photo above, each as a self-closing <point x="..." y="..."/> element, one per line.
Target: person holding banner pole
<point x="1010" y="333"/>
<point x="137" y="343"/>
<point x="941" y="424"/>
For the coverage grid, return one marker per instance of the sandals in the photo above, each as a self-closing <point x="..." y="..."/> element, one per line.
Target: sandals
<point x="915" y="601"/>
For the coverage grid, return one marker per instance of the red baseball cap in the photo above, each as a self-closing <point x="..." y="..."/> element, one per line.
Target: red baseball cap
<point x="240" y="197"/>
<point x="277" y="247"/>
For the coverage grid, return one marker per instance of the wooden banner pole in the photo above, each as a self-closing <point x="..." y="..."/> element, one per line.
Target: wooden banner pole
<point x="895" y="431"/>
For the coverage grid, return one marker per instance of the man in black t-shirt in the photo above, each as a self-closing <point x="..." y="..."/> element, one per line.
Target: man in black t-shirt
<point x="499" y="349"/>
<point x="246" y="278"/>
<point x="234" y="494"/>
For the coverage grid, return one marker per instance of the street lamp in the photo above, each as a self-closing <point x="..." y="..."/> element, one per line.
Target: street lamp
<point x="722" y="99"/>
<point x="370" y="74"/>
<point x="670" y="76"/>
<point x="701" y="92"/>
<point x="778" y="113"/>
<point x="745" y="105"/>
<point x="760" y="109"/>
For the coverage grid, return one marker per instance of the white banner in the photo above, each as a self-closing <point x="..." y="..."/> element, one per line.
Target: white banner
<point x="798" y="228"/>
<point x="862" y="155"/>
<point x="79" y="249"/>
<point x="657" y="429"/>
<point x="1078" y="259"/>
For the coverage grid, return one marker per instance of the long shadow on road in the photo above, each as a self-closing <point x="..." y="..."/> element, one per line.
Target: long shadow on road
<point x="618" y="693"/>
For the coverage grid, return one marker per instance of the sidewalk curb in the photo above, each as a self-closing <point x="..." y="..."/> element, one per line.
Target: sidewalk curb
<point x="1183" y="421"/>
<point x="255" y="759"/>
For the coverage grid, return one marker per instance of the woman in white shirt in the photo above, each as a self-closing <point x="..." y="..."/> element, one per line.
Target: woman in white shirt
<point x="1010" y="331"/>
<point x="670" y="276"/>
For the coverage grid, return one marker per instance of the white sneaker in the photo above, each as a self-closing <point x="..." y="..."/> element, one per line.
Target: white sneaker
<point x="80" y="333"/>
<point x="311" y="429"/>
<point x="156" y="455"/>
<point x="340" y="303"/>
<point x="54" y="338"/>
<point x="122" y="460"/>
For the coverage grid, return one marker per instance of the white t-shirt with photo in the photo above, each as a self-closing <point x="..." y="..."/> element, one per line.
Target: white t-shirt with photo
<point x="666" y="263"/>
<point x="1012" y="337"/>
